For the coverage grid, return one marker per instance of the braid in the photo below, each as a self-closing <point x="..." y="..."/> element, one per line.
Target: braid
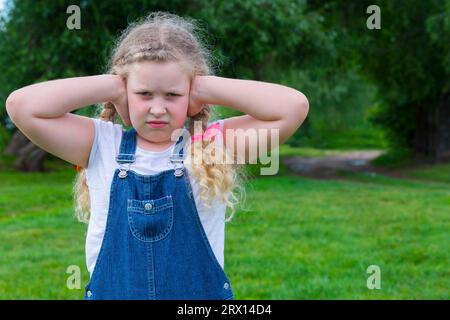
<point x="202" y="116"/>
<point x="108" y="112"/>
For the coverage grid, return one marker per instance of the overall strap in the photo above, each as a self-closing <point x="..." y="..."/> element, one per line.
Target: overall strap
<point x="127" y="147"/>
<point x="178" y="154"/>
<point x="127" y="151"/>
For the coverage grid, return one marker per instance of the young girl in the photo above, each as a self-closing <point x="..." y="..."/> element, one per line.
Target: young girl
<point x="156" y="218"/>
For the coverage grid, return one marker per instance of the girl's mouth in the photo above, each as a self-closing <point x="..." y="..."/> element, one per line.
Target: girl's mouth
<point x="157" y="124"/>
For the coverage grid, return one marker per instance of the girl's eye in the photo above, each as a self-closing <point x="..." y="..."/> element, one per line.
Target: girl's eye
<point x="145" y="93"/>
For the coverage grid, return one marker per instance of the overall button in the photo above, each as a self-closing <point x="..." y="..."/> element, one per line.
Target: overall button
<point x="148" y="206"/>
<point x="122" y="174"/>
<point x="178" y="172"/>
<point x="226" y="286"/>
<point x="89" y="293"/>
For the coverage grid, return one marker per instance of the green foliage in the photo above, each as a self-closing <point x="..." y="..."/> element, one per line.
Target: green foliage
<point x="351" y="75"/>
<point x="438" y="29"/>
<point x="275" y="33"/>
<point x="35" y="34"/>
<point x="340" y="102"/>
<point x="407" y="59"/>
<point x="403" y="57"/>
<point x="395" y="159"/>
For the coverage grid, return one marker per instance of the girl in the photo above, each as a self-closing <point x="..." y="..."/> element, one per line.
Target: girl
<point x="156" y="226"/>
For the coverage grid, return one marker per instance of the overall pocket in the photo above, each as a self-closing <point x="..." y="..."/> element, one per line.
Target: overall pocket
<point x="150" y="220"/>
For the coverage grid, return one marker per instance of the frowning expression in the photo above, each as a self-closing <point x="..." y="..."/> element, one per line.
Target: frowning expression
<point x="157" y="91"/>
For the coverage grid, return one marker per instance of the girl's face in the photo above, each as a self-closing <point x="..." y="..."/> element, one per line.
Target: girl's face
<point x="157" y="91"/>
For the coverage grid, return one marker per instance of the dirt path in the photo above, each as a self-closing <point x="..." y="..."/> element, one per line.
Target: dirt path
<point x="328" y="167"/>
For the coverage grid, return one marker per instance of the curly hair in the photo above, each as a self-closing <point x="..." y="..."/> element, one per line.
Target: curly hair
<point x="164" y="37"/>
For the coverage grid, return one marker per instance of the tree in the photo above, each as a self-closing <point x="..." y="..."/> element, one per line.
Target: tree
<point x="409" y="61"/>
<point x="36" y="46"/>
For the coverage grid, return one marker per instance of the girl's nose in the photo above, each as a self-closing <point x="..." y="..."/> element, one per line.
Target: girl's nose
<point x="158" y="110"/>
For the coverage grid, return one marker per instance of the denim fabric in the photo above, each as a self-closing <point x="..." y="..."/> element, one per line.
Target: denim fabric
<point x="154" y="246"/>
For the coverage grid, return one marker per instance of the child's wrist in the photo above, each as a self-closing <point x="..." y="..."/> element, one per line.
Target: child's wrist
<point x="197" y="90"/>
<point x="118" y="88"/>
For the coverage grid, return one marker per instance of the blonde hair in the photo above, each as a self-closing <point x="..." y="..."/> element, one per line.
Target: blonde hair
<point x="164" y="37"/>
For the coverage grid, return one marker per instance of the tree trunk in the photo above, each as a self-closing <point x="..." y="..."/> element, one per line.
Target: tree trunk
<point x="432" y="135"/>
<point x="29" y="156"/>
<point x="443" y="131"/>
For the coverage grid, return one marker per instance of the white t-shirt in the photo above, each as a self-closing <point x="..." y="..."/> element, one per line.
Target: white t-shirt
<point x="100" y="172"/>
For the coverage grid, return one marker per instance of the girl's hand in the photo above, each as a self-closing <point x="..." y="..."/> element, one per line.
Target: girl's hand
<point x="121" y="103"/>
<point x="195" y="104"/>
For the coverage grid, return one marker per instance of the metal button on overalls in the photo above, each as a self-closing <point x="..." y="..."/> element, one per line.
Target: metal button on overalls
<point x="165" y="255"/>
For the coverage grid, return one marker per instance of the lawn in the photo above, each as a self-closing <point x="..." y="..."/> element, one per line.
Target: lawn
<point x="299" y="238"/>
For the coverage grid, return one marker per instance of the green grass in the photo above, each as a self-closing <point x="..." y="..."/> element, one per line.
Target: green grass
<point x="300" y="238"/>
<point x="309" y="152"/>
<point x="439" y="172"/>
<point x="311" y="239"/>
<point x="361" y="137"/>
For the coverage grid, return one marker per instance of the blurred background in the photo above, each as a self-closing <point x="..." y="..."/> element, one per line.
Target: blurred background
<point x="365" y="181"/>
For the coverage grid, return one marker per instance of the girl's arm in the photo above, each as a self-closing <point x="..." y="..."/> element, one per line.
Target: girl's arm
<point x="266" y="106"/>
<point x="54" y="98"/>
<point x="42" y="112"/>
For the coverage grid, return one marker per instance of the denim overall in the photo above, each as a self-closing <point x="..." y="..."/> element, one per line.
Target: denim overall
<point x="154" y="246"/>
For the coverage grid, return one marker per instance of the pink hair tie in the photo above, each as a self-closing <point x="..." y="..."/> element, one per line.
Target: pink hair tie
<point x="209" y="133"/>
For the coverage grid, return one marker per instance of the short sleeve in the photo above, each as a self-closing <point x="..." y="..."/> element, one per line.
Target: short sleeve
<point x="104" y="148"/>
<point x="94" y="147"/>
<point x="220" y="135"/>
